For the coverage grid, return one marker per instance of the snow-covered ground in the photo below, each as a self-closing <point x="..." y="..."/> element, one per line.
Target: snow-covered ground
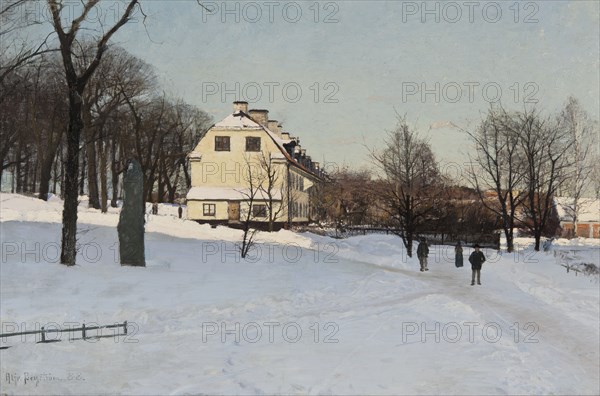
<point x="307" y="315"/>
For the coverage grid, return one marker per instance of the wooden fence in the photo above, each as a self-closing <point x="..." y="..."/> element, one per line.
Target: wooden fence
<point x="568" y="259"/>
<point x="83" y="329"/>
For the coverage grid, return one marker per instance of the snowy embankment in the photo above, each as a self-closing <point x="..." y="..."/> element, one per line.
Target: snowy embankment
<point x="307" y="315"/>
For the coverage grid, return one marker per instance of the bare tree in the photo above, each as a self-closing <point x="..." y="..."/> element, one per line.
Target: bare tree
<point x="345" y="198"/>
<point x="583" y="135"/>
<point x="134" y="80"/>
<point x="76" y="84"/>
<point x="545" y="145"/>
<point x="188" y="124"/>
<point x="253" y="178"/>
<point x="32" y="124"/>
<point x="409" y="192"/>
<point x="48" y="124"/>
<point x="496" y="167"/>
<point x="14" y="116"/>
<point x="271" y="188"/>
<point x="16" y="51"/>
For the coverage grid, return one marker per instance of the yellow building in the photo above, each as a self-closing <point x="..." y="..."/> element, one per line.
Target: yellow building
<point x="247" y="158"/>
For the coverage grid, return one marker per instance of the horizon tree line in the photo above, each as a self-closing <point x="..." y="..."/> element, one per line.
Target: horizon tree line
<point x="521" y="161"/>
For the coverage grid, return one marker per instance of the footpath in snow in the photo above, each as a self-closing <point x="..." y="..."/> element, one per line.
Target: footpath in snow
<point x="306" y="315"/>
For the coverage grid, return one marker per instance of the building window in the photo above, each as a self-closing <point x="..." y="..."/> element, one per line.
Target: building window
<point x="259" y="210"/>
<point x="252" y="144"/>
<point x="222" y="143"/>
<point x="209" y="209"/>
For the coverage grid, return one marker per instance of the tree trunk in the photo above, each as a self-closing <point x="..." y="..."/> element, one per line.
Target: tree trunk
<point x="83" y="166"/>
<point x="17" y="168"/>
<point x="46" y="166"/>
<point x="538" y="236"/>
<point x="186" y="173"/>
<point x="56" y="172"/>
<point x="69" y="218"/>
<point x="45" y="175"/>
<point x="103" y="178"/>
<point x="62" y="173"/>
<point x="508" y="233"/>
<point x="172" y="187"/>
<point x="161" y="182"/>
<point x="114" y="174"/>
<point x="575" y="211"/>
<point x="94" y="201"/>
<point x="409" y="245"/>
<point x="25" y="182"/>
<point x="34" y="176"/>
<point x="12" y="180"/>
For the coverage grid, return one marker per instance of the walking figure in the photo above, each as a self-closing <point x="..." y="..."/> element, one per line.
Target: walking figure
<point x="458" y="252"/>
<point x="476" y="259"/>
<point x="180" y="211"/>
<point x="422" y="253"/>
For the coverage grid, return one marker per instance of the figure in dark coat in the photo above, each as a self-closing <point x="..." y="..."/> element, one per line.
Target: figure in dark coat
<point x="458" y="255"/>
<point x="476" y="259"/>
<point x="422" y="253"/>
<point x="180" y="211"/>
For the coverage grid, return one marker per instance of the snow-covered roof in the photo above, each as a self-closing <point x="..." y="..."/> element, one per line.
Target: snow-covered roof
<point x="237" y="121"/>
<point x="589" y="209"/>
<point x="227" y="194"/>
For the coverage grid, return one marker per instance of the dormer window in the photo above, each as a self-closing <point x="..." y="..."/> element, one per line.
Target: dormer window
<point x="252" y="144"/>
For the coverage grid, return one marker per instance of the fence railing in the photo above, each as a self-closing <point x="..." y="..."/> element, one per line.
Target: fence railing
<point x="83" y="329"/>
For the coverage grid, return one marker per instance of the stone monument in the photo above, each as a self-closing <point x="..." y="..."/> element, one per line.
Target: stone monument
<point x="131" y="219"/>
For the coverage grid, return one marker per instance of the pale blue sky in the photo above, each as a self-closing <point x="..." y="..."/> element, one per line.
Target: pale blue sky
<point x="373" y="52"/>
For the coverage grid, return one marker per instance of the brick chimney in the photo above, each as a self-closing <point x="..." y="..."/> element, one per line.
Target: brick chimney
<point x="275" y="127"/>
<point x="260" y="116"/>
<point x="240" y="106"/>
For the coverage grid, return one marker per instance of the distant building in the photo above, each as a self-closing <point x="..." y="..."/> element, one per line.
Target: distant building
<point x="247" y="140"/>
<point x="588" y="219"/>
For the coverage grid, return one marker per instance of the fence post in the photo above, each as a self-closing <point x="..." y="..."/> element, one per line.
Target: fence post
<point x="43" y="335"/>
<point x="125" y="327"/>
<point x="83" y="331"/>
